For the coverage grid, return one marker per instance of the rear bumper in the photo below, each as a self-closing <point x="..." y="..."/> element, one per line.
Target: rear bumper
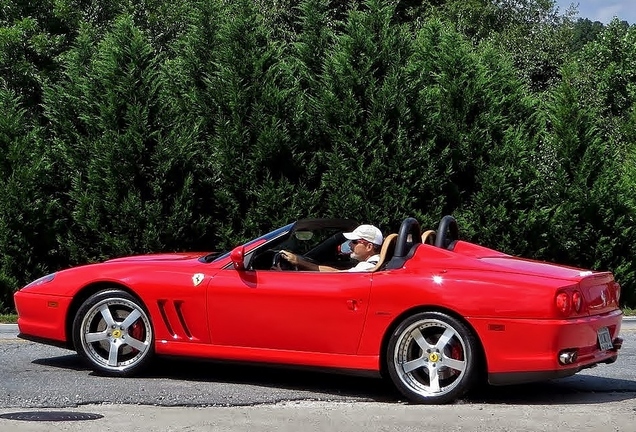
<point x="508" y="378"/>
<point x="522" y="350"/>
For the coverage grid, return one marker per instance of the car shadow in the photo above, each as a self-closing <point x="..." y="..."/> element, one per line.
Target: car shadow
<point x="325" y="382"/>
<point x="578" y="389"/>
<point x="70" y="361"/>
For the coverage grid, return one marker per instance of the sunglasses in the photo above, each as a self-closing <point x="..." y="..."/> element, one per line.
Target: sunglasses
<point x="355" y="242"/>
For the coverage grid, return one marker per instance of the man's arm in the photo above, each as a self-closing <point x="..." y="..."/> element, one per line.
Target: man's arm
<point x="304" y="264"/>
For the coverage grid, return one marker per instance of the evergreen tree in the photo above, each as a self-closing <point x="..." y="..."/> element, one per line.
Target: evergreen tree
<point x="503" y="206"/>
<point x="603" y="77"/>
<point x="585" y="31"/>
<point x="247" y="98"/>
<point x="131" y="127"/>
<point x="591" y="223"/>
<point x="472" y="108"/>
<point x="126" y="170"/>
<point x="28" y="215"/>
<point x="605" y="73"/>
<point x="362" y="120"/>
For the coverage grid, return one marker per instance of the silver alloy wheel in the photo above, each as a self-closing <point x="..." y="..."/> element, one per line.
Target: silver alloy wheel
<point x="430" y="357"/>
<point x="116" y="334"/>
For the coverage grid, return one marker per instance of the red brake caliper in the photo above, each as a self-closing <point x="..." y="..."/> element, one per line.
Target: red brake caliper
<point x="136" y="331"/>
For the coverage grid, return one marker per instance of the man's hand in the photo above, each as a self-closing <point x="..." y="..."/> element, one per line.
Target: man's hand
<point x="291" y="257"/>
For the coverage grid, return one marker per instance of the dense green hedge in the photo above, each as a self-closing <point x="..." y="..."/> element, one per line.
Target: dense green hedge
<point x="200" y="124"/>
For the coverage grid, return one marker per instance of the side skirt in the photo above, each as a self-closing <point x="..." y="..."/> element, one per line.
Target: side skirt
<point x="260" y="355"/>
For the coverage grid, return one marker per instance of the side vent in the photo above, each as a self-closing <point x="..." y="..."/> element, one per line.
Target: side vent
<point x="164" y="317"/>
<point x="177" y="306"/>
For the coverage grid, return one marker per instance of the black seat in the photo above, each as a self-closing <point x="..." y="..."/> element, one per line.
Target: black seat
<point x="408" y="240"/>
<point x="447" y="233"/>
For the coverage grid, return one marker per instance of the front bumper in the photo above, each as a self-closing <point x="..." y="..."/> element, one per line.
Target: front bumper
<point x="42" y="316"/>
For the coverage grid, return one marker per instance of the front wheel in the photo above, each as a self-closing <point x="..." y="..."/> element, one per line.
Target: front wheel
<point x="432" y="358"/>
<point x="112" y="331"/>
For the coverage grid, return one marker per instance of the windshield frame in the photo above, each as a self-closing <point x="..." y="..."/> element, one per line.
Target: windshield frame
<point x="267" y="237"/>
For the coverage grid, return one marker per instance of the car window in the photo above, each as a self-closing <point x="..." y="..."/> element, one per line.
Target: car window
<point x="306" y="246"/>
<point x="318" y="245"/>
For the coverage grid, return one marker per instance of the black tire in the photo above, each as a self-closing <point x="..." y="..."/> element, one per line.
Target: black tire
<point x="113" y="333"/>
<point x="433" y="342"/>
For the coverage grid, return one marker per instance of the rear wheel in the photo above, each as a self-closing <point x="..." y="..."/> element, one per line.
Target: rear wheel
<point x="112" y="331"/>
<point x="432" y="358"/>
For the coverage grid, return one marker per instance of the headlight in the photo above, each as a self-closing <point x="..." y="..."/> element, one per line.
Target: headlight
<point x="43" y="280"/>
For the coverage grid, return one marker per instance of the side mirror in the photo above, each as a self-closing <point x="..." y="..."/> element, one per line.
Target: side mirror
<point x="238" y="258"/>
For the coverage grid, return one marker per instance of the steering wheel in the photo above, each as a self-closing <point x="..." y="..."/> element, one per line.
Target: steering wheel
<point x="278" y="262"/>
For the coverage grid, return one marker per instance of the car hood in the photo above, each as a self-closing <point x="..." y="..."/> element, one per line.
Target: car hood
<point x="159" y="257"/>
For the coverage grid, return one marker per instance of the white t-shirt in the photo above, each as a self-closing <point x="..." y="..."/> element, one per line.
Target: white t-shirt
<point x="366" y="265"/>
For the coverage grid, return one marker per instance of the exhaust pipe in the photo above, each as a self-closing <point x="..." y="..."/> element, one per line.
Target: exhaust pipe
<point x="567" y="357"/>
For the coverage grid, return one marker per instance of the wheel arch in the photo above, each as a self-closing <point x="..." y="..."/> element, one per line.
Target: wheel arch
<point x="82" y="295"/>
<point x="482" y="360"/>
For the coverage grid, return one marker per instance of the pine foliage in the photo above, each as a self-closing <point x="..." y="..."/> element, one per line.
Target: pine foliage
<point x="29" y="223"/>
<point x="132" y="127"/>
<point x="129" y="175"/>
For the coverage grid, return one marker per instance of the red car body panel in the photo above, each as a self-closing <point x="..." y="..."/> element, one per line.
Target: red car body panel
<point x="343" y="320"/>
<point x="324" y="316"/>
<point x="43" y="315"/>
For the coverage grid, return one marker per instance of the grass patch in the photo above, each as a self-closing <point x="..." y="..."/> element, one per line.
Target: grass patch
<point x="627" y="311"/>
<point x="8" y="319"/>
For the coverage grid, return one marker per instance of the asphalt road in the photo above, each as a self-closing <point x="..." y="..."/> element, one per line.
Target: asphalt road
<point x="183" y="395"/>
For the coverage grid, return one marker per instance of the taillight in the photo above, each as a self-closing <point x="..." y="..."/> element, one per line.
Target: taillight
<point x="563" y="303"/>
<point x="577" y="301"/>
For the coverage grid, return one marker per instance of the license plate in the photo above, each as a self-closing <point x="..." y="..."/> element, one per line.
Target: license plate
<point x="604" y="339"/>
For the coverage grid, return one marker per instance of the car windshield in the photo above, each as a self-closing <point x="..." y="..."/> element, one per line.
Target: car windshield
<point x="216" y="256"/>
<point x="212" y="256"/>
<point x="304" y="245"/>
<point x="320" y="245"/>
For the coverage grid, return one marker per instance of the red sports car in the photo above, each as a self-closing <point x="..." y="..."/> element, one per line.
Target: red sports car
<point x="435" y="315"/>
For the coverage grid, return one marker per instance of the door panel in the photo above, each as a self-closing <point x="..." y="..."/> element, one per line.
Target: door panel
<point x="289" y="310"/>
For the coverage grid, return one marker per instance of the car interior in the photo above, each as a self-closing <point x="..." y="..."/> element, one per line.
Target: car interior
<point x="317" y="240"/>
<point x="322" y="241"/>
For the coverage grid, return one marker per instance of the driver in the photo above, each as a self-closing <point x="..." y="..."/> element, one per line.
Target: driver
<point x="365" y="241"/>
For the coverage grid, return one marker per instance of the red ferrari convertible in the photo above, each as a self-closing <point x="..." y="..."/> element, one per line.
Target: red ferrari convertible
<point x="435" y="315"/>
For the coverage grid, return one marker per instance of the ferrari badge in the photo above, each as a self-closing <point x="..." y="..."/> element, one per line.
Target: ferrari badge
<point x="197" y="279"/>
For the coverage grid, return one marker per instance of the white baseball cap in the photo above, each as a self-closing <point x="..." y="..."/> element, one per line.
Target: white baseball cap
<point x="366" y="232"/>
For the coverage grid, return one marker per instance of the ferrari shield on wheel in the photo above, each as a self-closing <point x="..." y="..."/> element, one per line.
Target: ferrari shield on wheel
<point x="432" y="358"/>
<point x="113" y="332"/>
